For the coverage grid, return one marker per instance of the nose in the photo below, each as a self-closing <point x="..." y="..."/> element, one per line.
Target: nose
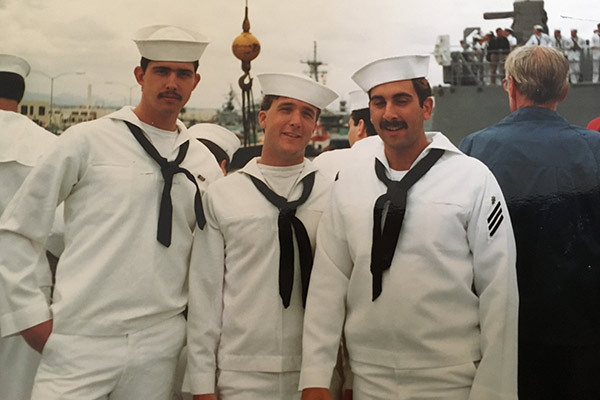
<point x="389" y="112"/>
<point x="295" y="118"/>
<point x="172" y="81"/>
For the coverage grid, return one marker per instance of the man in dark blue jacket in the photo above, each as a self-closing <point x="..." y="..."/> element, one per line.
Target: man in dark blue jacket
<point x="549" y="172"/>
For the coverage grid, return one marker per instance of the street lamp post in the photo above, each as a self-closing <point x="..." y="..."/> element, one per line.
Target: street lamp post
<point x="123" y="84"/>
<point x="52" y="78"/>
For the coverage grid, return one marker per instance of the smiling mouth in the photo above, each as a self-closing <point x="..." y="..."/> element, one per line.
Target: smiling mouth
<point x="393" y="126"/>
<point x="292" y="135"/>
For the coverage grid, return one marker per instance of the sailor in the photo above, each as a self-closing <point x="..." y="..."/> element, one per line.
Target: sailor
<point x="414" y="262"/>
<point x="221" y="142"/>
<point x="359" y="127"/>
<point x="22" y="142"/>
<point x="131" y="184"/>
<point x="548" y="170"/>
<point x="539" y="37"/>
<point x="574" y="47"/>
<point x="595" y="44"/>
<point x="510" y="36"/>
<point x="558" y="42"/>
<point x="251" y="264"/>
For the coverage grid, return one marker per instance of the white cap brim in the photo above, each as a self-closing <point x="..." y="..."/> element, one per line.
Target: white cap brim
<point x="296" y="87"/>
<point x="391" y="69"/>
<point x="359" y="99"/>
<point x="222" y="137"/>
<point x="15" y="65"/>
<point x="170" y="43"/>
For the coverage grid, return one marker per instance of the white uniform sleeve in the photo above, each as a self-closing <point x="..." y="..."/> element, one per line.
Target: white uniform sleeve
<point x="205" y="310"/>
<point x="492" y="243"/>
<point x="532" y="41"/>
<point x="325" y="308"/>
<point x="24" y="227"/>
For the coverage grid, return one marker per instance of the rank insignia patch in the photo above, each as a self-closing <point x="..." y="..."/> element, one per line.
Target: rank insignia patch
<point x="495" y="218"/>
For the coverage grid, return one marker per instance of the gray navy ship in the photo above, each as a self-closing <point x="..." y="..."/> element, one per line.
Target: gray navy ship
<point x="466" y="103"/>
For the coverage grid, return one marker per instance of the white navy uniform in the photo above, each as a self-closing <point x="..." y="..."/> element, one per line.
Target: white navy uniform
<point x="115" y="282"/>
<point x="330" y="163"/>
<point x="22" y="142"/>
<point x="574" y="48"/>
<point x="543" y="40"/>
<point x="445" y="324"/>
<point x="242" y="342"/>
<point x="595" y="44"/>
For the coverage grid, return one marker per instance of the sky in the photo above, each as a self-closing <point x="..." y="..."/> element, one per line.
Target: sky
<point x="65" y="36"/>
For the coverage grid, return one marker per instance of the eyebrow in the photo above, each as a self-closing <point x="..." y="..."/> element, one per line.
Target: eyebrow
<point x="396" y="96"/>
<point x="165" y="68"/>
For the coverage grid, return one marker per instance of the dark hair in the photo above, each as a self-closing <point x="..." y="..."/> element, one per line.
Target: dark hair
<point x="144" y="64"/>
<point x="422" y="88"/>
<point x="268" y="100"/>
<point x="365" y="115"/>
<point x="218" y="152"/>
<point x="12" y="86"/>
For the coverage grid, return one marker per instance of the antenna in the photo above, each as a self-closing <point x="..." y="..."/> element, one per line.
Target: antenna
<point x="314" y="65"/>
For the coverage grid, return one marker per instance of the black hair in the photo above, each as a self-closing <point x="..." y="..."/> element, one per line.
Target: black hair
<point x="144" y="64"/>
<point x="365" y="115"/>
<point x="422" y="88"/>
<point x="218" y="152"/>
<point x="12" y="86"/>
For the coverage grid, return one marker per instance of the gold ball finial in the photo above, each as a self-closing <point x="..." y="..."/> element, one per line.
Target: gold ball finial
<point x="246" y="47"/>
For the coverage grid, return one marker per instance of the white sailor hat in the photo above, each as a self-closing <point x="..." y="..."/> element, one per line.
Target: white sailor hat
<point x="359" y="99"/>
<point x="391" y="69"/>
<point x="538" y="27"/>
<point x="14" y="64"/>
<point x="170" y="43"/>
<point x="296" y="87"/>
<point x="222" y="137"/>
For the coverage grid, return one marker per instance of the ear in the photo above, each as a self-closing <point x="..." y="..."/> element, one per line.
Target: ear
<point x="138" y="72"/>
<point x="565" y="93"/>
<point x="198" y="77"/>
<point x="222" y="164"/>
<point x="362" y="130"/>
<point x="427" y="108"/>
<point x="262" y="116"/>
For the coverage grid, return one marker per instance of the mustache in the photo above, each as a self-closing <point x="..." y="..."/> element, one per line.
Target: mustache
<point x="394" y="124"/>
<point x="170" y="94"/>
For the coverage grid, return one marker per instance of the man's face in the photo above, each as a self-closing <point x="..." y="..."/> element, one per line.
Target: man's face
<point x="557" y="34"/>
<point x="397" y="115"/>
<point x="288" y="125"/>
<point x="574" y="34"/>
<point x="167" y="86"/>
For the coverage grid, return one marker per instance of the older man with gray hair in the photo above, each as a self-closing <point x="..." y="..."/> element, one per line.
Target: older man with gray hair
<point x="549" y="172"/>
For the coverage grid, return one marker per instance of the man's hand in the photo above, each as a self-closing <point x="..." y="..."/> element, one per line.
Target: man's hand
<point x="37" y="335"/>
<point x="316" y="394"/>
<point x="210" y="396"/>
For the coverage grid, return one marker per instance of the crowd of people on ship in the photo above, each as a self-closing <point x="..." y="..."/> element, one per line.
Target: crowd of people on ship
<point x="486" y="53"/>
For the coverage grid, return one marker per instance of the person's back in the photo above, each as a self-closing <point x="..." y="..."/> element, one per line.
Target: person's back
<point x="549" y="172"/>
